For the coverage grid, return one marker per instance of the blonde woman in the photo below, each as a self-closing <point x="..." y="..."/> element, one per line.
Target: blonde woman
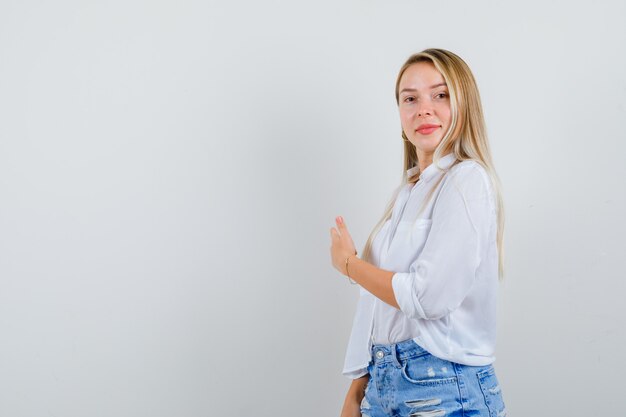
<point x="423" y="337"/>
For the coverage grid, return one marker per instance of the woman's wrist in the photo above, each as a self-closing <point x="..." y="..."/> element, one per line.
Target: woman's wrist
<point x="349" y="259"/>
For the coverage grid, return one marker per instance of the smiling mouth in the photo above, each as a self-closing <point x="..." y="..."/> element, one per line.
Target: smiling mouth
<point x="427" y="130"/>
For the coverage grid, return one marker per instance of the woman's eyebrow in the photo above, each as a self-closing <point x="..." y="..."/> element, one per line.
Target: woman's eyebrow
<point x="432" y="87"/>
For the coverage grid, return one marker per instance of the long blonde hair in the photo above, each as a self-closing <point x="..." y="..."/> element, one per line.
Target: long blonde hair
<point x="466" y="137"/>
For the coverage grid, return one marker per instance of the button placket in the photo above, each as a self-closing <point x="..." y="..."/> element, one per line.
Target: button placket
<point x="394" y="225"/>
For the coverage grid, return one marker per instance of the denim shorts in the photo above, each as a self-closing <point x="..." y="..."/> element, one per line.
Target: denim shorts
<point x="406" y="380"/>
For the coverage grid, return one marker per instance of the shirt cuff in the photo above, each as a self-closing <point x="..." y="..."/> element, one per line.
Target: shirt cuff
<point x="402" y="284"/>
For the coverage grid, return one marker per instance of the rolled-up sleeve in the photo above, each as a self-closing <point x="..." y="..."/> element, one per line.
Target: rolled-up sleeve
<point x="463" y="219"/>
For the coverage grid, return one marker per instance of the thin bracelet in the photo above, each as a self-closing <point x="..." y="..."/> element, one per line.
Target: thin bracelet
<point x="347" y="272"/>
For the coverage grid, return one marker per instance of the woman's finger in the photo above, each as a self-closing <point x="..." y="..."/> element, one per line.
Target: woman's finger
<point x="340" y="221"/>
<point x="341" y="225"/>
<point x="344" y="234"/>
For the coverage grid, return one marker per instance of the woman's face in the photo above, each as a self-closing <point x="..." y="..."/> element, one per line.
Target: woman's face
<point x="424" y="104"/>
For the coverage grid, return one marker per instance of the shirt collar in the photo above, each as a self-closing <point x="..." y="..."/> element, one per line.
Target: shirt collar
<point x="430" y="171"/>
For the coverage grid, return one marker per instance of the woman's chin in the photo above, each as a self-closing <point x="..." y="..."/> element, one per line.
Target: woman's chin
<point x="425" y="146"/>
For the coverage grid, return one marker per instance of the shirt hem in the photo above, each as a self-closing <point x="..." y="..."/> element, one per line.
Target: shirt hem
<point x="356" y="372"/>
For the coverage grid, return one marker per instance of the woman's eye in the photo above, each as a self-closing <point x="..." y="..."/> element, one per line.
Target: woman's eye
<point x="409" y="99"/>
<point x="442" y="95"/>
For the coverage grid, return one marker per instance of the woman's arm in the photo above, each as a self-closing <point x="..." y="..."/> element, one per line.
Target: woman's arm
<point x="463" y="227"/>
<point x="375" y="280"/>
<point x="356" y="392"/>
<point x="441" y="276"/>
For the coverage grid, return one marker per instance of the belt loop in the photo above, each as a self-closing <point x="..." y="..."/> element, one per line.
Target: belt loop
<point x="394" y="356"/>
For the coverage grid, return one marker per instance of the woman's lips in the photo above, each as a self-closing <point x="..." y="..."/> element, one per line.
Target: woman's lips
<point x="427" y="129"/>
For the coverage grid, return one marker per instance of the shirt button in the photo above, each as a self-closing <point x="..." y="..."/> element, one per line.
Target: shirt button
<point x="380" y="354"/>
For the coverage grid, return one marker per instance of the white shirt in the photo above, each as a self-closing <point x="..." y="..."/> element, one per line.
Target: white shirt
<point x="445" y="261"/>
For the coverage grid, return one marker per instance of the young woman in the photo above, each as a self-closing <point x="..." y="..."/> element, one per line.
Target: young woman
<point x="423" y="337"/>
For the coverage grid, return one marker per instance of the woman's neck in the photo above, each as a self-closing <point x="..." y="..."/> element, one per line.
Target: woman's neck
<point x="424" y="160"/>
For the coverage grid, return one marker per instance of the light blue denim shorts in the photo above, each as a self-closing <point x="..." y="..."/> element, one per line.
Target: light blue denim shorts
<point x="406" y="380"/>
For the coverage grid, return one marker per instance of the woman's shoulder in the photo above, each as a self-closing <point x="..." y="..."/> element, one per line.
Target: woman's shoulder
<point x="468" y="168"/>
<point x="471" y="173"/>
<point x="465" y="165"/>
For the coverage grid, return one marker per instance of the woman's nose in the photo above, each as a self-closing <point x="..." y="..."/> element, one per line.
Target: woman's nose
<point x="424" y="109"/>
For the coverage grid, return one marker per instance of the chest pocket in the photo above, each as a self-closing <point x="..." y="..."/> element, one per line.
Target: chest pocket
<point x="407" y="244"/>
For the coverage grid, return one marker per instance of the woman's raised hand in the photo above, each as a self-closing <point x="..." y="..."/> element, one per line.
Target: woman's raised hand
<point x="342" y="245"/>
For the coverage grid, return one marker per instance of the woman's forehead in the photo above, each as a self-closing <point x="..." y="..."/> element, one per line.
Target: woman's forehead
<point x="421" y="76"/>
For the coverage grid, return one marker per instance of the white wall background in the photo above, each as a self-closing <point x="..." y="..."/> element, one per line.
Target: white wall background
<point x="169" y="173"/>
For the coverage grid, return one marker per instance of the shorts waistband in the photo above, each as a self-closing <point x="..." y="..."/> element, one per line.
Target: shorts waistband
<point x="395" y="352"/>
